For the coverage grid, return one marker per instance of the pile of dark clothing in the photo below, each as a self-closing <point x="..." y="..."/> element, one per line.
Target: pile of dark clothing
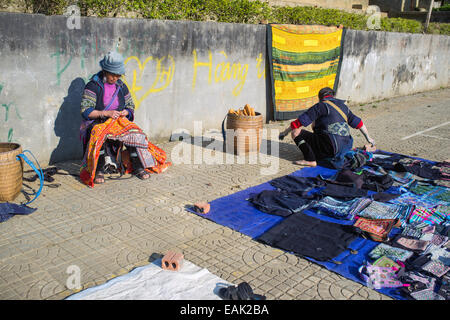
<point x="401" y="203"/>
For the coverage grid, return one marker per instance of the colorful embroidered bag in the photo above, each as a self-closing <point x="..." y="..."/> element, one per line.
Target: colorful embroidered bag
<point x="375" y="229"/>
<point x="409" y="243"/>
<point x="378" y="277"/>
<point x="436" y="268"/>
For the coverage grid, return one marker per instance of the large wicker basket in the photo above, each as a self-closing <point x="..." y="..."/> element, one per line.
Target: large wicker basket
<point x="11" y="171"/>
<point x="247" y="133"/>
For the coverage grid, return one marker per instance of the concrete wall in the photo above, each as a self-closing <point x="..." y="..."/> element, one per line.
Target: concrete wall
<point x="379" y="65"/>
<point x="179" y="72"/>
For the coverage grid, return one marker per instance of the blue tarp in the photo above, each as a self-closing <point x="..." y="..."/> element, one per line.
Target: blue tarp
<point x="235" y="212"/>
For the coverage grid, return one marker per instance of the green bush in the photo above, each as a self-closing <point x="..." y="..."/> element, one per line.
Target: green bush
<point x="48" y="7"/>
<point x="401" y="25"/>
<point x="439" y="28"/>
<point x="311" y="15"/>
<point x="445" y="7"/>
<point x="231" y="11"/>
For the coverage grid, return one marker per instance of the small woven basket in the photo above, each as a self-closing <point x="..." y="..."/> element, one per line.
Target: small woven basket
<point x="11" y="171"/>
<point x="247" y="137"/>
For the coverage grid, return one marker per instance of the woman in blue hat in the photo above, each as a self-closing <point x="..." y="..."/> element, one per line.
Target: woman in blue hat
<point x="106" y="96"/>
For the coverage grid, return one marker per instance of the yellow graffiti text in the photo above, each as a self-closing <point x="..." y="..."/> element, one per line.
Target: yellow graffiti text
<point x="163" y="76"/>
<point x="259" y="64"/>
<point x="223" y="71"/>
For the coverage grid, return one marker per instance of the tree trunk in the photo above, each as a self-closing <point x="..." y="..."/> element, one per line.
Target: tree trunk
<point x="430" y="9"/>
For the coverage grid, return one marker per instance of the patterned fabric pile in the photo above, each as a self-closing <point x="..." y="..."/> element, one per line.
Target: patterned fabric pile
<point x="303" y="59"/>
<point x="152" y="157"/>
<point x="407" y="218"/>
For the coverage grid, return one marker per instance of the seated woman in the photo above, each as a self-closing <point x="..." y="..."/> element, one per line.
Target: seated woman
<point x="107" y="111"/>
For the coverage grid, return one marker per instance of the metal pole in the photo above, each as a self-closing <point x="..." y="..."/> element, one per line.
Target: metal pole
<point x="429" y="15"/>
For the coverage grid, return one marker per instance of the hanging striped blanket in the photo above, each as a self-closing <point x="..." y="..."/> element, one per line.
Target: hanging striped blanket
<point x="152" y="157"/>
<point x="303" y="60"/>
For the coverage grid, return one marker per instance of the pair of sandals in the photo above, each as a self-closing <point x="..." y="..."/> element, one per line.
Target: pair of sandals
<point x="140" y="173"/>
<point x="242" y="291"/>
<point x="48" y="175"/>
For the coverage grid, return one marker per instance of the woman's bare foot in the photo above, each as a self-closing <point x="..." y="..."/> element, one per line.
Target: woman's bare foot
<point x="99" y="178"/>
<point x="306" y="163"/>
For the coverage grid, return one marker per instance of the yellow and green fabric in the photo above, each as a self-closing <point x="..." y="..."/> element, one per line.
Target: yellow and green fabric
<point x="303" y="59"/>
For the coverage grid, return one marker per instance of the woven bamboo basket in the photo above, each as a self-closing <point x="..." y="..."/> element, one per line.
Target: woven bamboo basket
<point x="246" y="134"/>
<point x="11" y="171"/>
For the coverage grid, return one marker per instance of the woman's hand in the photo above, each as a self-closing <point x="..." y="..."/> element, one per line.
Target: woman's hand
<point x="111" y="114"/>
<point x="371" y="141"/>
<point x="124" y="113"/>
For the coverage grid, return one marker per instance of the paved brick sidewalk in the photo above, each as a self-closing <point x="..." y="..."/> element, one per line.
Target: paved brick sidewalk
<point x="111" y="229"/>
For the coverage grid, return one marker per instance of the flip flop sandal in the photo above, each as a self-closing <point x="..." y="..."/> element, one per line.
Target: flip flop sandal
<point x="140" y="173"/>
<point x="243" y="291"/>
<point x="48" y="173"/>
<point x="229" y="293"/>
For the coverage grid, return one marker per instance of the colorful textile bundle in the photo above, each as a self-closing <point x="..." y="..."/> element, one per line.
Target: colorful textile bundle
<point x="375" y="229"/>
<point x="403" y="178"/>
<point x="340" y="209"/>
<point x="383" y="273"/>
<point x="428" y="215"/>
<point x="413" y="199"/>
<point x="434" y="193"/>
<point x="303" y="60"/>
<point x="380" y="210"/>
<point x="391" y="252"/>
<point x="119" y="129"/>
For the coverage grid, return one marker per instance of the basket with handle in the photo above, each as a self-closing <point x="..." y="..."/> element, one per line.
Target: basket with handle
<point x="11" y="171"/>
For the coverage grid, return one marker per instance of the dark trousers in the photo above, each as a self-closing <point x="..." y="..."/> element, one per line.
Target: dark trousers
<point x="112" y="149"/>
<point x="310" y="237"/>
<point x="314" y="146"/>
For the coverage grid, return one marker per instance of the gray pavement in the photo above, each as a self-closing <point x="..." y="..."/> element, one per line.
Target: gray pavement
<point x="111" y="229"/>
